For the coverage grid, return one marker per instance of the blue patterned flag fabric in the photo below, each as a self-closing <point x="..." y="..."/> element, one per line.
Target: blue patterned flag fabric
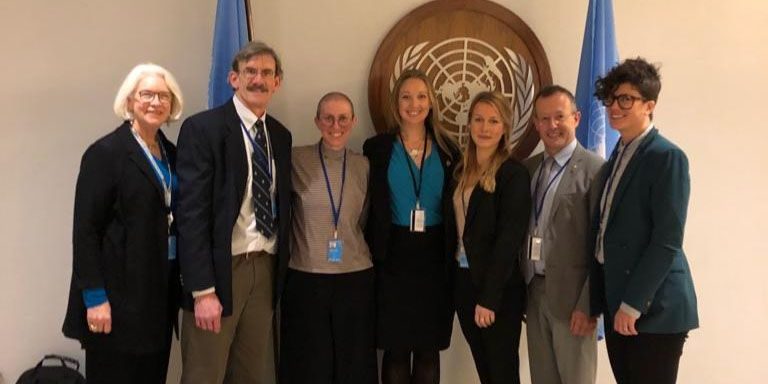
<point x="230" y="33"/>
<point x="598" y="55"/>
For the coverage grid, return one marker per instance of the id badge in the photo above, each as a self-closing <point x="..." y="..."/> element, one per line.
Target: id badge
<point x="172" y="247"/>
<point x="335" y="249"/>
<point x="418" y="218"/>
<point x="463" y="263"/>
<point x="534" y="248"/>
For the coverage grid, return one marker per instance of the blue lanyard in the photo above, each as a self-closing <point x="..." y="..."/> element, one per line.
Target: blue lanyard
<point x="167" y="186"/>
<point x="416" y="187"/>
<point x="257" y="147"/>
<point x="540" y="204"/>
<point x="335" y="211"/>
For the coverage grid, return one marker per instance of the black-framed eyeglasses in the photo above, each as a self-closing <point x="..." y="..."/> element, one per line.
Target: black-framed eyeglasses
<point x="625" y="101"/>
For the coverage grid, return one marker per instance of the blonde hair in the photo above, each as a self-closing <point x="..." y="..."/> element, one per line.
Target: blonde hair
<point x="135" y="76"/>
<point x="469" y="165"/>
<point x="432" y="123"/>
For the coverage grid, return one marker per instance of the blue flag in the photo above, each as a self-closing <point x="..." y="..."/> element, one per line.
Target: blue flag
<point x="230" y="33"/>
<point x="598" y="55"/>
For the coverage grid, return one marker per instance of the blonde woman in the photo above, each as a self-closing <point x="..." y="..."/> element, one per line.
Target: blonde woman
<point x="411" y="168"/>
<point x="124" y="296"/>
<point x="488" y="220"/>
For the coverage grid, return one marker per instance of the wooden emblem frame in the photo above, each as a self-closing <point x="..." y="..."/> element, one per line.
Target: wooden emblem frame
<point x="463" y="46"/>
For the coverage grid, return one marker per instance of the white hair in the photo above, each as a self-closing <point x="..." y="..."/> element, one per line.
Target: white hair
<point x="137" y="74"/>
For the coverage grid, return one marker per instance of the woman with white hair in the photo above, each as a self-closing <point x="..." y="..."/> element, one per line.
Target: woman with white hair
<point x="124" y="295"/>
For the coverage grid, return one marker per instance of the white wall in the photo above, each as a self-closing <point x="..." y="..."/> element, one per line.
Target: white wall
<point x="62" y="62"/>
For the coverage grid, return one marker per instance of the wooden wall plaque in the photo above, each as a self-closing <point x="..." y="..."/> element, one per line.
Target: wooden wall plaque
<point x="464" y="47"/>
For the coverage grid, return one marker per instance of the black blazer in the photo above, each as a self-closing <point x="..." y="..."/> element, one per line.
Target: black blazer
<point x="120" y="243"/>
<point x="213" y="170"/>
<point x="494" y="232"/>
<point x="378" y="150"/>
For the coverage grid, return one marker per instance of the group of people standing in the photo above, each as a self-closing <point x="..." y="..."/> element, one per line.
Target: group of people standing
<point x="379" y="250"/>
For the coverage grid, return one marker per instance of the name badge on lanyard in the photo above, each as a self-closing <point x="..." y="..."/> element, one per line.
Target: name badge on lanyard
<point x="335" y="249"/>
<point x="335" y="244"/>
<point x="534" y="248"/>
<point x="418" y="218"/>
<point x="167" y="187"/>
<point x="463" y="262"/>
<point x="418" y="215"/>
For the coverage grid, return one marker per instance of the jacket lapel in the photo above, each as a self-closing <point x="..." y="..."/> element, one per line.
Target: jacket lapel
<point x="235" y="153"/>
<point x="565" y="186"/>
<point x="137" y="156"/>
<point x="472" y="204"/>
<point x="275" y="141"/>
<point x="630" y="171"/>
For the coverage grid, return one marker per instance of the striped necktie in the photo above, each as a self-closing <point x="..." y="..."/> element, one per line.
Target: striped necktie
<point x="262" y="183"/>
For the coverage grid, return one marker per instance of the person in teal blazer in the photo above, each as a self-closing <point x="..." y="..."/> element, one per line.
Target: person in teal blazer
<point x="640" y="278"/>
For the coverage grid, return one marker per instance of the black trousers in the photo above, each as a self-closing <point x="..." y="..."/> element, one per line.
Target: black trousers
<point x="494" y="349"/>
<point x="108" y="366"/>
<point x="645" y="358"/>
<point x="328" y="329"/>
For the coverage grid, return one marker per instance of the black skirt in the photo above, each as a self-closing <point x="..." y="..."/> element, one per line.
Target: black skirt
<point x="414" y="310"/>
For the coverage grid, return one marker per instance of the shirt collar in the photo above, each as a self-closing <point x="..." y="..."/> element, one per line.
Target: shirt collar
<point x="329" y="153"/>
<point x="562" y="157"/>
<point x="246" y="115"/>
<point x="638" y="139"/>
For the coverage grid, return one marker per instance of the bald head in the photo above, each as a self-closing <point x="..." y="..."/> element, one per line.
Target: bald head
<point x="334" y="96"/>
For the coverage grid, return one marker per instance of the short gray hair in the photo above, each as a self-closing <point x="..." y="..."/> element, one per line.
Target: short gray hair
<point x="135" y="76"/>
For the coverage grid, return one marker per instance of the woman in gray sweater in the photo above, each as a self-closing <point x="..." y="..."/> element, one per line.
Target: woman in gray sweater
<point x="328" y="304"/>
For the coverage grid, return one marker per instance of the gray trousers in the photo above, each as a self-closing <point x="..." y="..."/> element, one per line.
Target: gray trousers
<point x="243" y="352"/>
<point x="556" y="356"/>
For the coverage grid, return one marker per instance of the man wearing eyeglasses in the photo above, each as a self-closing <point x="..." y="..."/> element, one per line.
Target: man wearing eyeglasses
<point x="562" y="346"/>
<point x="234" y="167"/>
<point x="641" y="280"/>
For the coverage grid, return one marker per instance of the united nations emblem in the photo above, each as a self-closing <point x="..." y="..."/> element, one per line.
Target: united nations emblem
<point x="464" y="48"/>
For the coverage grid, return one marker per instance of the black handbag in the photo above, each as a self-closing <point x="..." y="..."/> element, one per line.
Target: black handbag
<point x="66" y="372"/>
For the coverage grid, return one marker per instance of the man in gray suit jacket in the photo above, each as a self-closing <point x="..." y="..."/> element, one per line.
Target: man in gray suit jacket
<point x="561" y="334"/>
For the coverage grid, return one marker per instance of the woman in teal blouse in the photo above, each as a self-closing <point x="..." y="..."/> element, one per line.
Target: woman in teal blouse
<point x="410" y="167"/>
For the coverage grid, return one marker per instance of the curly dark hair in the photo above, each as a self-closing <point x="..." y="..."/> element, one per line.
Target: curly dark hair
<point x="637" y="72"/>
